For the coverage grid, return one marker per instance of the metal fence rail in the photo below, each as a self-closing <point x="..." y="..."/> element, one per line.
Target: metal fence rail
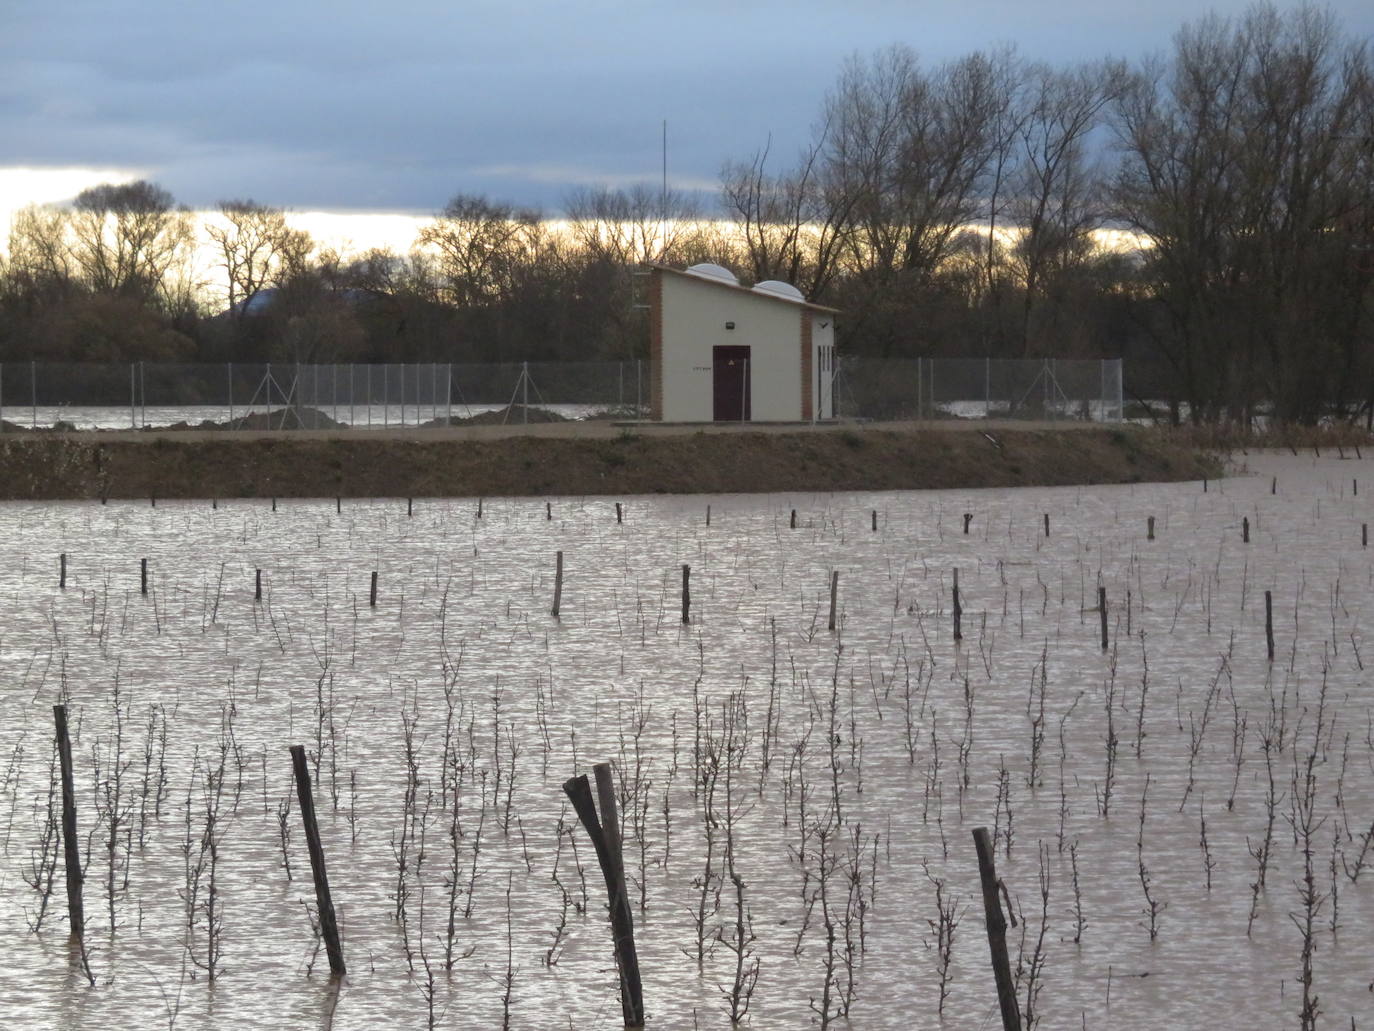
<point x="36" y="395"/>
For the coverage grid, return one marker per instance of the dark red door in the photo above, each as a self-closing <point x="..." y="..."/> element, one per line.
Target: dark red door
<point x="730" y="382"/>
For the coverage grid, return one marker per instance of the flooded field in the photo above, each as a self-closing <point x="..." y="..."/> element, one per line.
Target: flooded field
<point x="1184" y="828"/>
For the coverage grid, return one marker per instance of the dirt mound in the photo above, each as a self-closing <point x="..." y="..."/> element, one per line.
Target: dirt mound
<point x="356" y="464"/>
<point x="511" y="415"/>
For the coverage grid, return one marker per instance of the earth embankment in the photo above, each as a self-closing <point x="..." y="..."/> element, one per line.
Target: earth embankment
<point x="581" y="460"/>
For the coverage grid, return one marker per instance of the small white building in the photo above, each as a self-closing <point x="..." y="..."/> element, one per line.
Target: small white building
<point x="721" y="352"/>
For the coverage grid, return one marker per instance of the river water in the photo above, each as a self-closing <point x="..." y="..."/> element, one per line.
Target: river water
<point x="836" y="774"/>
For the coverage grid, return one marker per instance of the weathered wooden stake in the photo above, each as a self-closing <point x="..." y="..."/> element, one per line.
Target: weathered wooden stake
<point x="1047" y="524"/>
<point x="324" y="903"/>
<point x="372" y="596"/>
<point x="338" y="505"/>
<point x="618" y="517"/>
<point x="1274" y="485"/>
<point x="875" y="520"/>
<point x="214" y="504"/>
<point x="1269" y="623"/>
<point x="62" y="574"/>
<point x="1150" y="528"/>
<point x="274" y="504"/>
<point x="558" y="586"/>
<point x="958" y="609"/>
<point x="71" y="843"/>
<point x="143" y="576"/>
<point x="257" y="586"/>
<point x="1364" y="535"/>
<point x="686" y="593"/>
<point x="479" y="508"/>
<point x="152" y="501"/>
<point x="834" y="590"/>
<point x="548" y="511"/>
<point x="708" y="515"/>
<point x="1102" y="612"/>
<point x="605" y="836"/>
<point x="997" y="932"/>
<point x="1204" y="485"/>
<point x="794" y="519"/>
<point x="968" y="518"/>
<point x="410" y="507"/>
<point x="1245" y="529"/>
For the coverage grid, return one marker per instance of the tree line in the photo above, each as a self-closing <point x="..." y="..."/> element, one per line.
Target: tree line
<point x="1207" y="214"/>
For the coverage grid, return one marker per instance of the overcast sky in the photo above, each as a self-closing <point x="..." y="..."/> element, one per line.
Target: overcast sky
<point x="399" y="105"/>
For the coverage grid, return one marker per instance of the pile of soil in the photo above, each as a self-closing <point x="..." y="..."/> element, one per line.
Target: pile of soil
<point x="443" y="464"/>
<point x="511" y="415"/>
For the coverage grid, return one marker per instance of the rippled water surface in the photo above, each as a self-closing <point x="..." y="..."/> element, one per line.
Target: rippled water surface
<point x="442" y="722"/>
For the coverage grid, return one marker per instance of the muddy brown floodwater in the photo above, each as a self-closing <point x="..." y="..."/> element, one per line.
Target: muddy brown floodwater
<point x="1183" y="827"/>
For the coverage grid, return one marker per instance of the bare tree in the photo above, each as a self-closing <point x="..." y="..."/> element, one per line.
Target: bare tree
<point x="479" y="245"/>
<point x="793" y="227"/>
<point x="1057" y="198"/>
<point x="256" y="249"/>
<point x="1233" y="168"/>
<point x="126" y="238"/>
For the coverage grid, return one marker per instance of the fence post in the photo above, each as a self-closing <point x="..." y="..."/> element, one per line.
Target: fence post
<point x="229" y="371"/>
<point x="33" y="388"/>
<point x="997" y="931"/>
<point x="324" y="903"/>
<point x="70" y="842"/>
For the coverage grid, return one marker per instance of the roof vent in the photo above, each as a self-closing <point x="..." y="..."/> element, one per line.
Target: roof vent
<point x="777" y="288"/>
<point x="710" y="270"/>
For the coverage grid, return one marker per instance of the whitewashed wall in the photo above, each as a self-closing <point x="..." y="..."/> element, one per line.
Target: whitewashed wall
<point x="694" y="316"/>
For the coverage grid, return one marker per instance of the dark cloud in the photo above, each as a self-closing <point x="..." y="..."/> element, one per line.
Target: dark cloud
<point x="400" y="105"/>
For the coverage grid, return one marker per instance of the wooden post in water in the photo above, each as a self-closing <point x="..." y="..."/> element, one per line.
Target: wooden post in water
<point x="214" y="504"/>
<point x="605" y="836"/>
<point x="1102" y="612"/>
<point x="479" y="508"/>
<point x="708" y="515"/>
<point x="997" y="932"/>
<point x="834" y="590"/>
<point x="410" y="507"/>
<point x="548" y="511"/>
<point x="1245" y="529"/>
<point x="143" y="576"/>
<point x="968" y="518"/>
<point x="338" y="505"/>
<point x="324" y="903"/>
<point x="152" y="501"/>
<point x="958" y="609"/>
<point x="274" y="504"/>
<point x="1047" y="524"/>
<point x="1274" y="485"/>
<point x="1150" y="528"/>
<point x="257" y="586"/>
<point x="875" y="520"/>
<point x="71" y="844"/>
<point x="372" y="596"/>
<point x="794" y="519"/>
<point x="1269" y="623"/>
<point x="618" y="517"/>
<point x="1364" y="535"/>
<point x="558" y="586"/>
<point x="686" y="593"/>
<point x="62" y="573"/>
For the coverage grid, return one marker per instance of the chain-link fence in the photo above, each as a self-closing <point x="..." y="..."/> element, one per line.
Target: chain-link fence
<point x="38" y="395"/>
<point x="979" y="388"/>
<point x="237" y="395"/>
